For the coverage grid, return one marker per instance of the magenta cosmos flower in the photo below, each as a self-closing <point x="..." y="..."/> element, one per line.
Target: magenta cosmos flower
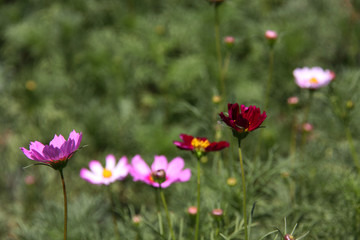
<point x="199" y="145"/>
<point x="113" y="171"/>
<point x="161" y="172"/>
<point x="57" y="153"/>
<point x="313" y="78"/>
<point x="243" y="119"/>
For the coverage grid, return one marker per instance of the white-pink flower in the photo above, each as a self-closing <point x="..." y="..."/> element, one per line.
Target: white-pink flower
<point x="313" y="78"/>
<point x="111" y="173"/>
<point x="173" y="170"/>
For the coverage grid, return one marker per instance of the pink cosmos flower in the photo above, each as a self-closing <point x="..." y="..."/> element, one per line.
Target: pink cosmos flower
<point x="161" y="172"/>
<point x="109" y="174"/>
<point x="313" y="78"/>
<point x="57" y="153"/>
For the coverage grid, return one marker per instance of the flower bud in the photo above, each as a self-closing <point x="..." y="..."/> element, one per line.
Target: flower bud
<point x="229" y="41"/>
<point x="293" y="100"/>
<point x="159" y="176"/>
<point x="307" y="127"/>
<point x="29" y="180"/>
<point x="271" y="36"/>
<point x="350" y="105"/>
<point x="217" y="214"/>
<point x="192" y="210"/>
<point x="231" y="181"/>
<point x="288" y="237"/>
<point x="136" y="219"/>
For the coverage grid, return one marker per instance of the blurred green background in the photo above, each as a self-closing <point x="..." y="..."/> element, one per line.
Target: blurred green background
<point x="133" y="75"/>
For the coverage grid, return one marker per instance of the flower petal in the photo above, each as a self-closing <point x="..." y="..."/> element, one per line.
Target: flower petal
<point x="160" y="163"/>
<point x="90" y="176"/>
<point x="110" y="162"/>
<point x="57" y="141"/>
<point x="175" y="167"/>
<point x="96" y="167"/>
<point x="139" y="170"/>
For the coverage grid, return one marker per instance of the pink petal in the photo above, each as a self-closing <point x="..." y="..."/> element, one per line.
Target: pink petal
<point x="185" y="175"/>
<point x="159" y="163"/>
<point x="175" y="167"/>
<point x="110" y="162"/>
<point x="140" y="170"/>
<point x="57" y="141"/>
<point x="38" y="146"/>
<point x="121" y="169"/>
<point x="27" y="153"/>
<point x="96" y="168"/>
<point x="76" y="137"/>
<point x="90" y="176"/>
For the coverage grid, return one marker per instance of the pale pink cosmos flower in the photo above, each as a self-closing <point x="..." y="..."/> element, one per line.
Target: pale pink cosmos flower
<point x="112" y="172"/>
<point x="270" y="34"/>
<point x="313" y="78"/>
<point x="57" y="153"/>
<point x="171" y="172"/>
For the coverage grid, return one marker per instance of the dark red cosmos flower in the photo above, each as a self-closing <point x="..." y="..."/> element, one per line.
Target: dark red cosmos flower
<point x="243" y="120"/>
<point x="199" y="145"/>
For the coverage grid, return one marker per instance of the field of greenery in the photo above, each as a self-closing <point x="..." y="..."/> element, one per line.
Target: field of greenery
<point x="132" y="76"/>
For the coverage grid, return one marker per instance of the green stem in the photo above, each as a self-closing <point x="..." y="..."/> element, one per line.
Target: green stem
<point x="293" y="136"/>
<point x="218" y="53"/>
<point x="306" y="116"/>
<point x="197" y="221"/>
<point x="167" y="214"/>
<point x="244" y="191"/>
<point x="352" y="148"/>
<point x="65" y="203"/>
<point x="112" y="207"/>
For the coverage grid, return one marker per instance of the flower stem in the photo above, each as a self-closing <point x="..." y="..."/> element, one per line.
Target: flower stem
<point x="352" y="148"/>
<point x="244" y="191"/>
<point x="167" y="214"/>
<point x="197" y="221"/>
<point x="219" y="55"/>
<point x="112" y="207"/>
<point x="65" y="203"/>
<point x="306" y="116"/>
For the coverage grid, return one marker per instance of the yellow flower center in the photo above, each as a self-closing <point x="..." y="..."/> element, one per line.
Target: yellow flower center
<point x="313" y="80"/>
<point x="107" y="173"/>
<point x="200" y="144"/>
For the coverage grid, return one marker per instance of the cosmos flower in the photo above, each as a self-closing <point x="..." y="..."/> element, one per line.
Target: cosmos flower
<point x="199" y="145"/>
<point x="161" y="172"/>
<point x="313" y="78"/>
<point x="57" y="153"/>
<point x="243" y="119"/>
<point x="112" y="172"/>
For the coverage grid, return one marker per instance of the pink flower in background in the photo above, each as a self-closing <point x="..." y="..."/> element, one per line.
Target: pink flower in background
<point x="161" y="172"/>
<point x="293" y="100"/>
<point x="313" y="78"/>
<point x="269" y="34"/>
<point x="111" y="173"/>
<point x="57" y="153"/>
